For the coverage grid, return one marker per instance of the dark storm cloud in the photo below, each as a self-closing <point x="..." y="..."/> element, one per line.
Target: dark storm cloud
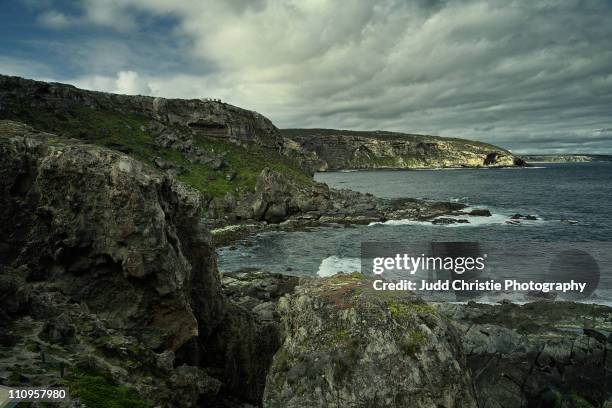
<point x="529" y="75"/>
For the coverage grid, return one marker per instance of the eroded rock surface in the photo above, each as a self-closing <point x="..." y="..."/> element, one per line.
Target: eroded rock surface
<point x="542" y="354"/>
<point x="348" y="346"/>
<point x="105" y="268"/>
<point x="329" y="149"/>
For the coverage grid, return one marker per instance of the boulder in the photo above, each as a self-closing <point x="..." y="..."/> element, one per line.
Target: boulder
<point x="346" y="345"/>
<point x="480" y="212"/>
<point x="448" y="221"/>
<point x="523" y="217"/>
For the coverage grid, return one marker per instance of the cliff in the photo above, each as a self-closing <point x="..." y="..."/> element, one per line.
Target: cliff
<point x="243" y="166"/>
<point x="106" y="273"/>
<point x="328" y="149"/>
<point x="212" y="146"/>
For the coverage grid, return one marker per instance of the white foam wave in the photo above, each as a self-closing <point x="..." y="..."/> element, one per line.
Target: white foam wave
<point x="458" y="199"/>
<point x="435" y="168"/>
<point x="333" y="265"/>
<point x="473" y="221"/>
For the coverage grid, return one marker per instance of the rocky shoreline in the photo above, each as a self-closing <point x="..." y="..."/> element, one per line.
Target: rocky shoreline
<point x="109" y="286"/>
<point x="347" y="345"/>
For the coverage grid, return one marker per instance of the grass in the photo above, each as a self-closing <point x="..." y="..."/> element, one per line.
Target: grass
<point x="247" y="162"/>
<point x="127" y="132"/>
<point x="401" y="310"/>
<point x="412" y="343"/>
<point x="97" y="391"/>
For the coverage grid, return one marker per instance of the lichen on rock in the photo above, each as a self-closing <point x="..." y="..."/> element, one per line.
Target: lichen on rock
<point x="346" y="345"/>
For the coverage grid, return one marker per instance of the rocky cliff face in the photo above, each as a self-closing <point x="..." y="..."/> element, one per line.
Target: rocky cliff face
<point x="215" y="147"/>
<point x="21" y="98"/>
<point x="327" y="149"/>
<point x="73" y="212"/>
<point x="104" y="266"/>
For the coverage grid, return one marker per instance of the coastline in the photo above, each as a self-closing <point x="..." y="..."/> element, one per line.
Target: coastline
<point x="110" y="277"/>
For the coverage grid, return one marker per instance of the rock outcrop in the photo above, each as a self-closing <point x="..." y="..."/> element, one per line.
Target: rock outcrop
<point x="542" y="354"/>
<point x="348" y="346"/>
<point x="565" y="158"/>
<point x="110" y="256"/>
<point x="328" y="149"/>
<point x="108" y="276"/>
<point x="277" y="198"/>
<point x="96" y="222"/>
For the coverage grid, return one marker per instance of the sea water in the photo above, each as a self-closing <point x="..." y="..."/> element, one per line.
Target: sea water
<point x="572" y="203"/>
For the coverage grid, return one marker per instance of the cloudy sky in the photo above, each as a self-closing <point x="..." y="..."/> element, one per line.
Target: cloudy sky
<point x="533" y="76"/>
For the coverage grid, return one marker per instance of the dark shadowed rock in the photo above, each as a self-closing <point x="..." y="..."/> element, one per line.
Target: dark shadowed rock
<point x="448" y="221"/>
<point x="480" y="212"/>
<point x="105" y="259"/>
<point x="539" y="354"/>
<point x="523" y="217"/>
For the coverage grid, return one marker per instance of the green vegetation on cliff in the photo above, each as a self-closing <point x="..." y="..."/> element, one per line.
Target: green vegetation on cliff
<point x="248" y="162"/>
<point x="97" y="391"/>
<point x="129" y="133"/>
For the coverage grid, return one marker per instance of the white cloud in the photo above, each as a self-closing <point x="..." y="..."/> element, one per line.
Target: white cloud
<point x="55" y="19"/>
<point x="125" y="82"/>
<point x="128" y="82"/>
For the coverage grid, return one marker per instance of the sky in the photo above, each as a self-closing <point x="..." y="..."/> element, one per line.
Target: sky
<point x="532" y="76"/>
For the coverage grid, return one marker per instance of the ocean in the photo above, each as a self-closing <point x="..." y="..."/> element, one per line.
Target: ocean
<point x="571" y="201"/>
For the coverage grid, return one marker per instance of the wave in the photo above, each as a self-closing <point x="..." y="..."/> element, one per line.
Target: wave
<point x="459" y="199"/>
<point x="473" y="221"/>
<point x="333" y="265"/>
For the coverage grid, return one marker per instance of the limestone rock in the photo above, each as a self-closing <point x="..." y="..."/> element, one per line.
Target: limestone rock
<point x="97" y="222"/>
<point x="329" y="149"/>
<point x="102" y="253"/>
<point x="346" y="345"/>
